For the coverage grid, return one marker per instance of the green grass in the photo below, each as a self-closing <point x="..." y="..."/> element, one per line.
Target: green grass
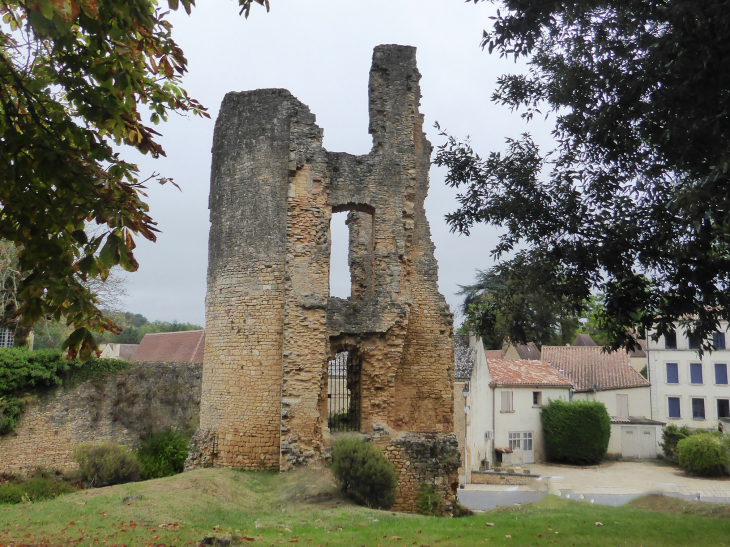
<point x="304" y="508"/>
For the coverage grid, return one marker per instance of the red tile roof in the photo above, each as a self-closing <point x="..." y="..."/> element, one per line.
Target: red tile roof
<point x="528" y="351"/>
<point x="528" y="372"/>
<point x="172" y="347"/>
<point x="583" y="340"/>
<point x="587" y="366"/>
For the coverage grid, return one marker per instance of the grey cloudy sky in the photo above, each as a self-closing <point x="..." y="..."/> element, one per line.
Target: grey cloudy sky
<point x="321" y="51"/>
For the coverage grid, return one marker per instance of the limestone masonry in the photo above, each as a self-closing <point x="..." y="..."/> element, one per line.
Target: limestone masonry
<point x="271" y="325"/>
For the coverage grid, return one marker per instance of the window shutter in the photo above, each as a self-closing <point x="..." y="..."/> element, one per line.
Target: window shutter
<point x="506" y="401"/>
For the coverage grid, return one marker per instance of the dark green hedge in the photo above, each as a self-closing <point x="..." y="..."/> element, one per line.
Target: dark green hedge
<point x="576" y="432"/>
<point x="22" y="370"/>
<point x="364" y="472"/>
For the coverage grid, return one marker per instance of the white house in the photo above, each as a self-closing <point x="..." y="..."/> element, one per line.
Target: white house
<point x="610" y="379"/>
<point x="502" y="404"/>
<point x="688" y="389"/>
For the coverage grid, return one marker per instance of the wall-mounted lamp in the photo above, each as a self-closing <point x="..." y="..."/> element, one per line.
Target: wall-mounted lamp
<point x="465" y="391"/>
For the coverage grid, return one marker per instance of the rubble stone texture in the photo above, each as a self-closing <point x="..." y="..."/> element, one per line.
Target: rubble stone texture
<point x="271" y="325"/>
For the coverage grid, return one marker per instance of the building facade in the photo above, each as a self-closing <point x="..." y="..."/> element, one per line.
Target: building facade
<point x="688" y="389"/>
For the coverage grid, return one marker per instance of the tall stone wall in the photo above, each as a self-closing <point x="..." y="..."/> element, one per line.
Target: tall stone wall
<point x="271" y="325"/>
<point x="120" y="408"/>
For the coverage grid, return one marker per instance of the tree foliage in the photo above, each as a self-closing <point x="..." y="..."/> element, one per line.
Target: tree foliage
<point x="364" y="472"/>
<point x="77" y="78"/>
<point x="635" y="198"/>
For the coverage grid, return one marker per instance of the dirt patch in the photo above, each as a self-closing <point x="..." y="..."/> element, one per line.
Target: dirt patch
<point x="665" y="504"/>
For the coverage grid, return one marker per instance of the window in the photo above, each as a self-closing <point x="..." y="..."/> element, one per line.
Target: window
<point x="698" y="409"/>
<point x="343" y="392"/>
<point x="670" y="340"/>
<point x="622" y="406"/>
<point x="721" y="374"/>
<point x="672" y="373"/>
<point x="695" y="373"/>
<point x="7" y="338"/>
<point x="723" y="408"/>
<point x="527" y="440"/>
<point x="694" y="341"/>
<point x="673" y="403"/>
<point x="515" y="440"/>
<point x="507" y="401"/>
<point x="537" y="398"/>
<point x="718" y="340"/>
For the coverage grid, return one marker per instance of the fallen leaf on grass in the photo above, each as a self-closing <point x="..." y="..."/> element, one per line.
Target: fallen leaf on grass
<point x="248" y="538"/>
<point x="489" y="524"/>
<point x="508" y="536"/>
<point x="599" y="524"/>
<point x="396" y="537"/>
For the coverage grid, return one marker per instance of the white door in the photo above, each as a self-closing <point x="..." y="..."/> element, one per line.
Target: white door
<point x="647" y="442"/>
<point x="528" y="450"/>
<point x="629" y="441"/>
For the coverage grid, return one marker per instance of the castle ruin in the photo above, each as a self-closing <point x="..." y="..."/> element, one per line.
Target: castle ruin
<point x="276" y="342"/>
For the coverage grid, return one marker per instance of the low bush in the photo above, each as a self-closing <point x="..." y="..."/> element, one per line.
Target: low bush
<point x="428" y="502"/>
<point x="105" y="464"/>
<point x="364" y="472"/>
<point x="33" y="489"/>
<point x="704" y="453"/>
<point x="576" y="432"/>
<point x="163" y="454"/>
<point x="671" y="435"/>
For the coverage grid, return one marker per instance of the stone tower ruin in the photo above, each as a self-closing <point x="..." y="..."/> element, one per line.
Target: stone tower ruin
<point x="275" y="339"/>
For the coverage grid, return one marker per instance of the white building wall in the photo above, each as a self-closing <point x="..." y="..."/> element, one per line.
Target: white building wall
<point x="661" y="390"/>
<point x="480" y="411"/>
<point x="639" y="400"/>
<point x="525" y="416"/>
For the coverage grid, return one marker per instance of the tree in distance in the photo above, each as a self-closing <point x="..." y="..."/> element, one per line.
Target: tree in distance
<point x="76" y="78"/>
<point x="634" y="200"/>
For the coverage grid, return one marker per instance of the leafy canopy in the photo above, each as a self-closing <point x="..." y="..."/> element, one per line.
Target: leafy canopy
<point x="634" y="201"/>
<point x="76" y="78"/>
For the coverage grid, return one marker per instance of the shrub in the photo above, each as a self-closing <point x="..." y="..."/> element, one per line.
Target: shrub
<point x="671" y="435"/>
<point x="33" y="489"/>
<point x="703" y="453"/>
<point x="428" y="502"/>
<point x="105" y="464"/>
<point x="364" y="472"/>
<point x="576" y="432"/>
<point x="163" y="454"/>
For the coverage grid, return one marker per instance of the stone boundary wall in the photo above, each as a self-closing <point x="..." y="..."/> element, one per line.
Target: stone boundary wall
<point x="488" y="477"/>
<point x="432" y="458"/>
<point x="121" y="407"/>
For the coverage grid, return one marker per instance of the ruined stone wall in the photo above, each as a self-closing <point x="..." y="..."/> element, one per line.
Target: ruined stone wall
<point x="271" y="325"/>
<point x="119" y="408"/>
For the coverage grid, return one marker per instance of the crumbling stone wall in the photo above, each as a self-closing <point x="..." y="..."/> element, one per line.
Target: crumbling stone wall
<point x="120" y="408"/>
<point x="271" y="326"/>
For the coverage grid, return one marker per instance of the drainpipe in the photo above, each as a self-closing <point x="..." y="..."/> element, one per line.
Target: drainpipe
<point x="465" y="393"/>
<point x="494" y="430"/>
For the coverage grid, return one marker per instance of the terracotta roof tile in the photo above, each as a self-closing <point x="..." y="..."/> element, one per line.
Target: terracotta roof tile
<point x="587" y="366"/>
<point x="527" y="372"/>
<point x="583" y="340"/>
<point x="172" y="347"/>
<point x="493" y="353"/>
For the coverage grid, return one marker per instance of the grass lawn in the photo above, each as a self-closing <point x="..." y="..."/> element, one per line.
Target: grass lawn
<point x="304" y="508"/>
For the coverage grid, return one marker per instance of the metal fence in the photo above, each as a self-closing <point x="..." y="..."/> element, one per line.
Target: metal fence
<point x="342" y="394"/>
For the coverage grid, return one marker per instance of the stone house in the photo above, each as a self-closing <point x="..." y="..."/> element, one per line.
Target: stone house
<point x="610" y="379"/>
<point x="688" y="389"/>
<point x="117" y="351"/>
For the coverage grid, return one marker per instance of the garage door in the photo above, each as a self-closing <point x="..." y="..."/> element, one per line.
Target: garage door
<point x="638" y="442"/>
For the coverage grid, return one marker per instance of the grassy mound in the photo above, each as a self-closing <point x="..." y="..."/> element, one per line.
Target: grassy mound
<point x="305" y="507"/>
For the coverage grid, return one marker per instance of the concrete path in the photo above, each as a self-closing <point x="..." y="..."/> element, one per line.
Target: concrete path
<point x="612" y="483"/>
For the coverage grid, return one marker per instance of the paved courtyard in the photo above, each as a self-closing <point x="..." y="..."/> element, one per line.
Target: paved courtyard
<point x="611" y="483"/>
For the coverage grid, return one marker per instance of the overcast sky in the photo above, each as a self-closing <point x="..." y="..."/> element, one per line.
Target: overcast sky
<point x="321" y="51"/>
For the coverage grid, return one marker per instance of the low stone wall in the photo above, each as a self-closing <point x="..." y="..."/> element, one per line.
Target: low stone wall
<point x="120" y="408"/>
<point x="491" y="477"/>
<point x="422" y="457"/>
